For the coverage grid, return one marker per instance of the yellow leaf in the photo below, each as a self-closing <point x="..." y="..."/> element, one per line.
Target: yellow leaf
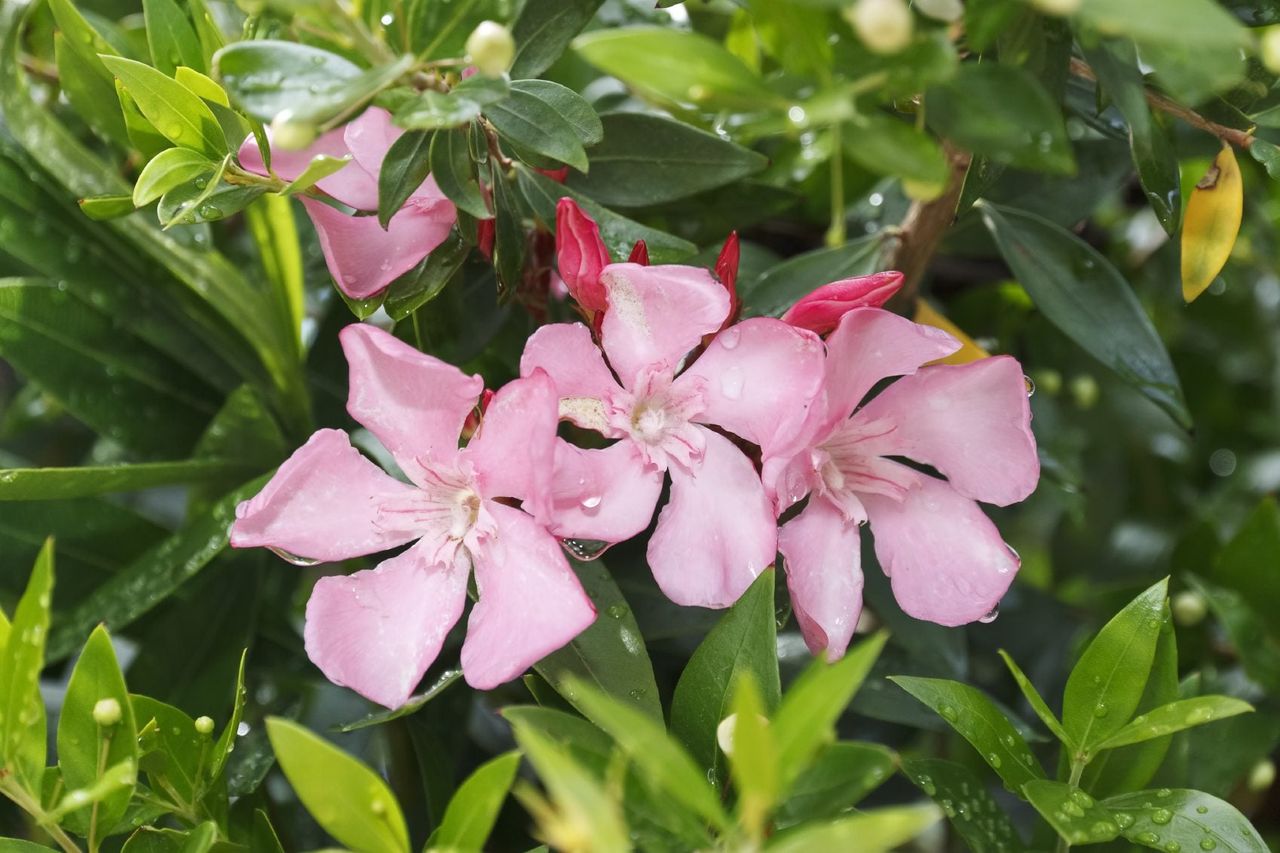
<point x="969" y="351"/>
<point x="1211" y="223"/>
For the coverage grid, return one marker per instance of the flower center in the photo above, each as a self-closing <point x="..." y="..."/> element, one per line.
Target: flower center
<point x="852" y="462"/>
<point x="445" y="509"/>
<point x="658" y="417"/>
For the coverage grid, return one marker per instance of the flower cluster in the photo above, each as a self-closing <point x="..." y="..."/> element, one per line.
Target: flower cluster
<point x="751" y="422"/>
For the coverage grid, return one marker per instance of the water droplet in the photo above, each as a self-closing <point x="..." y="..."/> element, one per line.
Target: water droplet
<point x="731" y="383"/>
<point x="1161" y="816"/>
<point x="949" y="713"/>
<point x="242" y="729"/>
<point x="1202" y="809"/>
<point x="202" y="182"/>
<point x="991" y="615"/>
<point x="585" y="549"/>
<point x="637" y="693"/>
<point x="1081" y="798"/>
<point x="293" y="558"/>
<point x="591" y="502"/>
<point x="1030" y="384"/>
<point x="1072" y="809"/>
<point x="1172" y="847"/>
<point x="1208" y="844"/>
<point x="1124" y="819"/>
<point x="209" y="211"/>
<point x="616" y="611"/>
<point x="1163" y="792"/>
<point x="1146" y="838"/>
<point x="994" y="760"/>
<point x="730" y="337"/>
<point x="1100" y="710"/>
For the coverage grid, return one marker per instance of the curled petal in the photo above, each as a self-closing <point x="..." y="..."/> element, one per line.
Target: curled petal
<point x="717" y="532"/>
<point x="351" y="185"/>
<point x="322" y="504"/>
<point x="514" y="452"/>
<point x="378" y="630"/>
<point x="657" y="315"/>
<point x="580" y="254"/>
<point x="822" y="309"/>
<point x="760" y="378"/>
<point x="531" y="603"/>
<point x="572" y="359"/>
<point x="945" y="558"/>
<point x="363" y="258"/>
<point x="824" y="575"/>
<point x="607" y="494"/>
<point x="972" y="422"/>
<point x="414" y="403"/>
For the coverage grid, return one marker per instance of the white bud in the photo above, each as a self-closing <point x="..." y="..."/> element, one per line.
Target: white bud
<point x="1060" y="8"/>
<point x="204" y="725"/>
<point x="1188" y="608"/>
<point x="1262" y="776"/>
<point x="491" y="48"/>
<point x="1269" y="49"/>
<point x="287" y="134"/>
<point x="106" y="712"/>
<point x="941" y="10"/>
<point x="724" y="733"/>
<point x="885" y="26"/>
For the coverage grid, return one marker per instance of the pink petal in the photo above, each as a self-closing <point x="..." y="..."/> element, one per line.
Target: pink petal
<point x="514" y="452"/>
<point x="824" y="575"/>
<point x="717" y="533"/>
<point x="322" y="504"/>
<point x="972" y="422"/>
<point x="378" y="630"/>
<point x="656" y="315"/>
<point x="351" y="185"/>
<point x="363" y="258"/>
<point x="580" y="254"/>
<point x="414" y="403"/>
<point x="608" y="494"/>
<point x="822" y="309"/>
<point x="531" y="603"/>
<point x="871" y="344"/>
<point x="945" y="558"/>
<point x="572" y="359"/>
<point x="760" y="377"/>
<point x="369" y="137"/>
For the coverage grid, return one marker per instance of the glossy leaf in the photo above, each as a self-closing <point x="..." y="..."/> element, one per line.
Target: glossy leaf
<point x="42" y="484"/>
<point x="455" y="173"/>
<point x="226" y="742"/>
<point x="889" y="146"/>
<point x="435" y="111"/>
<point x="22" y="715"/>
<point x="424" y="282"/>
<point x="841" y="775"/>
<point x="753" y="758"/>
<point x="1175" y="717"/>
<point x="1211" y="223"/>
<point x="404" y="168"/>
<point x="1192" y="820"/>
<point x="1035" y="700"/>
<point x="542" y="31"/>
<point x="345" y="797"/>
<point x="171" y="37"/>
<point x="471" y="813"/>
<point x="569" y="104"/>
<point x="1081" y="293"/>
<point x="1258" y="650"/>
<point x="964" y="798"/>
<point x="1243" y="563"/>
<point x="320" y="167"/>
<point x="90" y="89"/>
<point x="877" y="831"/>
<point x="531" y="122"/>
<point x="1075" y="816"/>
<point x="167" y="170"/>
<point x="415" y="704"/>
<point x="172" y="108"/>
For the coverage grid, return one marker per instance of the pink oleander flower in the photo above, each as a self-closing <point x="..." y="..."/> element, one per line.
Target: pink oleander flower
<point x="822" y="309"/>
<point x="363" y="258"/>
<point x="755" y="380"/>
<point x="971" y="423"/>
<point x="377" y="631"/>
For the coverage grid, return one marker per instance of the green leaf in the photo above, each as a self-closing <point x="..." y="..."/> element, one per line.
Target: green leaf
<point x="1003" y="112"/>
<point x="275" y="233"/>
<point x="838" y="779"/>
<point x="173" y="109"/>
<point x="1248" y="563"/>
<point x="542" y="32"/>
<point x="754" y="757"/>
<point x="527" y="120"/>
<point x="1189" y="819"/>
<point x="424" y="282"/>
<point x="571" y="106"/>
<point x="97" y="677"/>
<point x="972" y="811"/>
<point x="434" y="111"/>
<point x="115" y="780"/>
<point x="405" y="167"/>
<point x="660" y="759"/>
<point x="170" y="36"/>
<point x="889" y="146"/>
<point x="1080" y="292"/>
<point x="42" y="484"/>
<point x="439" y="30"/>
<point x="1036" y="701"/>
<point x="472" y="811"/>
<point x="509" y="242"/>
<point x="610" y="655"/>
<point x="1075" y="816"/>
<point x="780" y="286"/>
<point x="647" y="159"/>
<point x="808" y="712"/>
<point x="226" y="742"/>
<point x="320" y="167"/>
<point x="1258" y="650"/>
<point x="414" y="704"/>
<point x="677" y="66"/>
<point x="878" y="831"/>
<point x="1107" y="682"/>
<point x="345" y="797"/>
<point x="1175" y="717"/>
<point x="206" y="87"/>
<point x="168" y="169"/>
<point x="455" y="173"/>
<point x="1201" y="24"/>
<point x="103" y="207"/>
<point x="968" y="710"/>
<point x="743" y="641"/>
<point x="143" y="135"/>
<point x="90" y="89"/>
<point x="22" y="717"/>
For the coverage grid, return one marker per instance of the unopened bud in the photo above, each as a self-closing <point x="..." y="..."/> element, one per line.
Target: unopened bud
<point x="885" y="26"/>
<point x="941" y="10"/>
<point x="106" y="712"/>
<point x="1269" y="49"/>
<point x="1060" y="8"/>
<point x="1262" y="776"/>
<point x="204" y="725"/>
<point x="581" y="255"/>
<point x="491" y="48"/>
<point x="1188" y="608"/>
<point x="288" y="134"/>
<point x="724" y="733"/>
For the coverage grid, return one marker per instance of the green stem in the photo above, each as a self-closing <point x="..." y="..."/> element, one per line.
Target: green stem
<point x="836" y="232"/>
<point x="24" y="801"/>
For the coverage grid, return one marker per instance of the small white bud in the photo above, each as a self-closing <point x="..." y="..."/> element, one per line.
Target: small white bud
<point x="106" y="712"/>
<point x="724" y="733"/>
<point x="1060" y="8"/>
<point x="1262" y="776"/>
<point x="885" y="26"/>
<point x="491" y="48"/>
<point x="288" y="134"/>
<point x="204" y="725"/>
<point x="1084" y="388"/>
<point x="1269" y="49"/>
<point x="1188" y="608"/>
<point x="941" y="10"/>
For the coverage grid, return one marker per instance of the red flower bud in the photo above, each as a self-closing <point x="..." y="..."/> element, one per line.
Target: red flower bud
<point x="727" y="272"/>
<point x="557" y="175"/>
<point x="639" y="254"/>
<point x="822" y="309"/>
<point x="484" y="237"/>
<point x="581" y="255"/>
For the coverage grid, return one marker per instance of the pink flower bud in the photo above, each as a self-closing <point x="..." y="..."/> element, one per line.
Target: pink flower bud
<point x="822" y="309"/>
<point x="639" y="254"/>
<point x="581" y="255"/>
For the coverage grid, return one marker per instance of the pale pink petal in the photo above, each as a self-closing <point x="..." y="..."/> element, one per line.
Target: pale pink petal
<point x="607" y="495"/>
<point x="378" y="630"/>
<point x="717" y="532"/>
<point x="414" y="403"/>
<point x="945" y="558"/>
<point x="871" y="344"/>
<point x="531" y="603"/>
<point x="363" y="258"/>
<point x="513" y="454"/>
<point x="759" y="379"/>
<point x="572" y="359"/>
<point x="972" y="422"/>
<point x="822" y="309"/>
<point x="322" y="504"/>
<point x="824" y="575"/>
<point x="656" y="315"/>
<point x="351" y="185"/>
<point x="369" y="138"/>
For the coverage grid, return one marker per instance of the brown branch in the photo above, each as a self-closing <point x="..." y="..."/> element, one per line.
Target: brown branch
<point x="1239" y="138"/>
<point x="923" y="228"/>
